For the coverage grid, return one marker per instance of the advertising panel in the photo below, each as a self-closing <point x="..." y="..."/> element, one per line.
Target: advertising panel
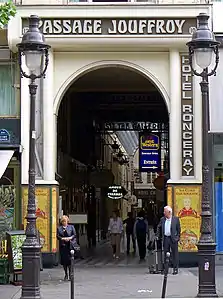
<point x="187" y="206"/>
<point x="170" y="196"/>
<point x="149" y="152"/>
<point x="15" y="240"/>
<point x="42" y="214"/>
<point x="54" y="219"/>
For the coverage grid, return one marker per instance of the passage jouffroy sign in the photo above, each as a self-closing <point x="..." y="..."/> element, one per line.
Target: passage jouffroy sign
<point x="187" y="117"/>
<point x="107" y="26"/>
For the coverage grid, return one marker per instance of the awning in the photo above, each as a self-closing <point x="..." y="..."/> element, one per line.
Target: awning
<point x="5" y="157"/>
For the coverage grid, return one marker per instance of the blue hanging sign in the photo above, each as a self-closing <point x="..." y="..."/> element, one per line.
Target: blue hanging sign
<point x="149" y="152"/>
<point x="4" y="136"/>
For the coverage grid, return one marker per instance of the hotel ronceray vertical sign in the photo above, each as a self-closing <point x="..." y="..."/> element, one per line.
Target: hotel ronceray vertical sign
<point x="187" y="117"/>
<point x="109" y="26"/>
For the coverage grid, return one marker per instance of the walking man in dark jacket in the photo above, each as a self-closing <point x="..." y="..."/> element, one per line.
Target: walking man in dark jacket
<point x="141" y="231"/>
<point x="169" y="231"/>
<point x="130" y="222"/>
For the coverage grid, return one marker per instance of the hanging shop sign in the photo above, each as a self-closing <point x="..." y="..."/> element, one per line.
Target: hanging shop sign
<point x="4" y="135"/>
<point x="115" y="192"/>
<point x="149" y="152"/>
<point x="187" y="124"/>
<point x="145" y="193"/>
<point x="108" y="26"/>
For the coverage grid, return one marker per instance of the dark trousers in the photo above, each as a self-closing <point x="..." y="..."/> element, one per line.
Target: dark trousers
<point x="130" y="236"/>
<point x="170" y="246"/>
<point x="141" y="240"/>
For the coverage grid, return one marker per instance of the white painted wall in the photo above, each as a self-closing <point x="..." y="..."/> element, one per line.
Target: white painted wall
<point x="69" y="66"/>
<point x="217" y="17"/>
<point x="216" y="98"/>
<point x="216" y="82"/>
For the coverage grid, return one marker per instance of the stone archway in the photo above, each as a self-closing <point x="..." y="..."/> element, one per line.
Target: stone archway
<point x="105" y="64"/>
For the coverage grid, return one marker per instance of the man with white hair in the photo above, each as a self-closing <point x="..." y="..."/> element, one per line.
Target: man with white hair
<point x="168" y="231"/>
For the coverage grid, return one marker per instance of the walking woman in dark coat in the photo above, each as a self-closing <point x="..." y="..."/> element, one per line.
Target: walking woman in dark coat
<point x="66" y="235"/>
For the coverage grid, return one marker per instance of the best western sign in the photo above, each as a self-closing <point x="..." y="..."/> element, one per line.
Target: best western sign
<point x="146" y="26"/>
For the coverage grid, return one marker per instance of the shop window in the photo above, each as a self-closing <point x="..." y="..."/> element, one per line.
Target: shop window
<point x="8" y="104"/>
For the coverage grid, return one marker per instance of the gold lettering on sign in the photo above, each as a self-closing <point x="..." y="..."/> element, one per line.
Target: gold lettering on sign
<point x="187" y="118"/>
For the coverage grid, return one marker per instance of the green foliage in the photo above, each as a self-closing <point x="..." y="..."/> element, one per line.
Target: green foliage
<point x="7" y="10"/>
<point x="7" y="199"/>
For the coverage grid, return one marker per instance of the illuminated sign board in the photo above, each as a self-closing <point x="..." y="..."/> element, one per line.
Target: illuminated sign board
<point x="149" y="152"/>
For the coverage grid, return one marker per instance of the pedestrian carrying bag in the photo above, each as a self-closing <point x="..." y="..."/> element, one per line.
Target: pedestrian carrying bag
<point x="155" y="259"/>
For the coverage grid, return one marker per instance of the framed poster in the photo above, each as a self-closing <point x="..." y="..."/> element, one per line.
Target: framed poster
<point x="43" y="220"/>
<point x="54" y="219"/>
<point x="15" y="240"/>
<point x="187" y="206"/>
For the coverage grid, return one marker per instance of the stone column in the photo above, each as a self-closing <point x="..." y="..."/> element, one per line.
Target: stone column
<point x="49" y="123"/>
<point x="25" y="124"/>
<point x="55" y="142"/>
<point x="175" y="117"/>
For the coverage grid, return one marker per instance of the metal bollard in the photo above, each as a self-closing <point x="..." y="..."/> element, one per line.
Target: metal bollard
<point x="166" y="270"/>
<point x="72" y="275"/>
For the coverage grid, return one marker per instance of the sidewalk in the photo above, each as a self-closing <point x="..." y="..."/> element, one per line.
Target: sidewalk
<point x="113" y="282"/>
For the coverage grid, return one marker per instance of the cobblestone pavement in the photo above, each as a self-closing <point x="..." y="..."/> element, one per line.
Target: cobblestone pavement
<point x="113" y="282"/>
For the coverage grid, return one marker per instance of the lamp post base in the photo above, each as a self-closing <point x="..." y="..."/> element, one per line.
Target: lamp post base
<point x="206" y="256"/>
<point x="31" y="271"/>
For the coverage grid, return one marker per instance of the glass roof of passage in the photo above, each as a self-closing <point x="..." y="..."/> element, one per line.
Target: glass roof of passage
<point x="129" y="140"/>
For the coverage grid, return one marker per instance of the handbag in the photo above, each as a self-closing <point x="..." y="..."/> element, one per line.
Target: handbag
<point x="74" y="246"/>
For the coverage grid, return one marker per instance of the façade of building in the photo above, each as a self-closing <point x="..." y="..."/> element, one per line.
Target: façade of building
<point x="104" y="55"/>
<point x="10" y="142"/>
<point x="216" y="137"/>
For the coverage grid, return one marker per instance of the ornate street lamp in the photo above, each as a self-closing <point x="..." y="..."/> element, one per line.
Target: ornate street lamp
<point x="35" y="51"/>
<point x="203" y="50"/>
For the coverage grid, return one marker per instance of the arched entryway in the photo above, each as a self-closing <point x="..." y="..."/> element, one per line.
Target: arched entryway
<point x="107" y="64"/>
<point x="114" y="100"/>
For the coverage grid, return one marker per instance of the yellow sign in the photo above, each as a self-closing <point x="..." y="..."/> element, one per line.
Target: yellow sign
<point x="54" y="219"/>
<point x="187" y="206"/>
<point x="170" y="196"/>
<point x="150" y="142"/>
<point x="42" y="214"/>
